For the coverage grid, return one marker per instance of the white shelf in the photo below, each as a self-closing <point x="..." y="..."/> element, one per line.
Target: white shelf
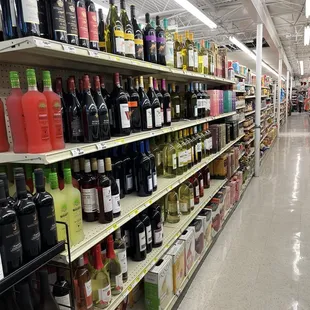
<point x="74" y="150"/>
<point x="249" y="141"/>
<point x="132" y="205"/>
<point x="250" y="85"/>
<point x="242" y="107"/>
<point x="249" y="128"/>
<point x="251" y="153"/>
<point x="265" y="87"/>
<point x="238" y="91"/>
<point x="43" y="52"/>
<point x="137" y="270"/>
<point x="264" y="108"/>
<point x="249" y="113"/>
<point x="240" y="122"/>
<point x="250" y="97"/>
<point x="241" y="155"/>
<point x="240" y="76"/>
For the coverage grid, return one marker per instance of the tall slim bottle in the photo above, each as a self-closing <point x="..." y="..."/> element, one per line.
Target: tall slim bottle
<point x="149" y="35"/>
<point x="101" y="32"/>
<point x="58" y="21"/>
<point x="16" y="115"/>
<point x="155" y="104"/>
<point x="153" y="164"/>
<point x="138" y="240"/>
<point x="191" y="100"/>
<point x="128" y="32"/>
<point x="161" y="100"/>
<point x="166" y="102"/>
<point x="179" y="152"/>
<point x="71" y="20"/>
<point x="10" y="200"/>
<point x="169" y="54"/>
<point x="138" y="35"/>
<point x="133" y="104"/>
<point x="184" y="192"/>
<point x="175" y="104"/>
<point x="157" y="225"/>
<point x="92" y="25"/>
<point x="178" y="55"/>
<point x="82" y="23"/>
<point x="46" y="212"/>
<point x="120" y="251"/>
<point x="148" y="231"/>
<point x="190" y="58"/>
<point x="170" y="159"/>
<point x="36" y="116"/>
<point x="145" y="107"/>
<point x="160" y="43"/>
<point x="54" y="113"/>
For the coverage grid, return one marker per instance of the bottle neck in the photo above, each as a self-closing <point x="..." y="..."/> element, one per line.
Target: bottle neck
<point x="98" y="259"/>
<point x="87" y="167"/>
<point x="101" y="166"/>
<point x="110" y="249"/>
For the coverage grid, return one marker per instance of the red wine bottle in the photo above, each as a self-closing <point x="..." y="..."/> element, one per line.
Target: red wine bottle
<point x="153" y="164"/>
<point x="58" y="17"/>
<point x="138" y="34"/>
<point x="74" y="114"/>
<point x="101" y="32"/>
<point x="72" y="28"/>
<point x="10" y="200"/>
<point x="148" y="231"/>
<point x="195" y="184"/>
<point x="157" y="225"/>
<point x="156" y="109"/>
<point x="10" y="241"/>
<point x="145" y="108"/>
<point x="127" y="170"/>
<point x="90" y="114"/>
<point x="144" y="173"/>
<point x="149" y="36"/>
<point x="104" y="92"/>
<point x="160" y="43"/>
<point x="92" y="25"/>
<point x="167" y="103"/>
<point x="118" y="172"/>
<point x="161" y="101"/>
<point x="133" y="104"/>
<point x="103" y="113"/>
<point x="82" y="23"/>
<point x="44" y="20"/>
<point x="137" y="240"/>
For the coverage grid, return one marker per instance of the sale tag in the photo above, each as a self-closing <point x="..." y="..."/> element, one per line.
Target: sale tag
<point x="69" y="49"/>
<point x="77" y="152"/>
<point x="101" y="146"/>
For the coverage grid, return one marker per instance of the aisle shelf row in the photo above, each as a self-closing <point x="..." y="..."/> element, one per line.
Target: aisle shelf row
<point x="267" y="151"/>
<point x="253" y="96"/>
<point x="207" y="250"/>
<point x="251" y="152"/>
<point x="241" y="155"/>
<point x="132" y="205"/>
<point x="249" y="85"/>
<point x="249" y="141"/>
<point x="249" y="113"/>
<point x="137" y="270"/>
<point x="73" y="150"/>
<point x="239" y="91"/>
<point x="242" y="107"/>
<point x="43" y="52"/>
<point x="249" y="128"/>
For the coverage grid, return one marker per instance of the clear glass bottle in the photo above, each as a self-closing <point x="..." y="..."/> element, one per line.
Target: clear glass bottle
<point x="178" y="58"/>
<point x="179" y="152"/>
<point x="172" y="207"/>
<point x="189" y="62"/>
<point x="170" y="159"/>
<point x="120" y="250"/>
<point x="156" y="151"/>
<point x="184" y="151"/>
<point x="175" y="104"/>
<point x="169" y="45"/>
<point x="185" y="192"/>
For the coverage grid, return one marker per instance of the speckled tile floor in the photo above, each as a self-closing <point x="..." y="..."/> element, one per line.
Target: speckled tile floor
<point x="261" y="261"/>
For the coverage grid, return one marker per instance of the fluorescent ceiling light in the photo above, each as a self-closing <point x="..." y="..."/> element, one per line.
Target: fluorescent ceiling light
<point x="307" y="8"/>
<point x="307" y="35"/>
<point x="196" y="13"/>
<point x="242" y="47"/>
<point x="301" y="67"/>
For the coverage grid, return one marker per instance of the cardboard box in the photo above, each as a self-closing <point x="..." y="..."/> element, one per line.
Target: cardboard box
<point x="208" y="214"/>
<point x="158" y="284"/>
<point x="188" y="236"/>
<point x="199" y="236"/>
<point x="216" y="217"/>
<point x="177" y="252"/>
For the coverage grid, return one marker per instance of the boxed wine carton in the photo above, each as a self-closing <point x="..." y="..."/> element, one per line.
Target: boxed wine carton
<point x="158" y="284"/>
<point x="207" y="215"/>
<point x="199" y="235"/>
<point x="216" y="217"/>
<point x="177" y="252"/>
<point x="188" y="236"/>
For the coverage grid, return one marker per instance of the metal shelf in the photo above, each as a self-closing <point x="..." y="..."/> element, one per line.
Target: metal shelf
<point x="238" y="91"/>
<point x="132" y="205"/>
<point x="27" y="269"/>
<point x="249" y="113"/>
<point x="249" y="128"/>
<point x="74" y="150"/>
<point x="249" y="141"/>
<point x="40" y="51"/>
<point x="250" y="97"/>
<point x="240" y="76"/>
<point x="242" y="107"/>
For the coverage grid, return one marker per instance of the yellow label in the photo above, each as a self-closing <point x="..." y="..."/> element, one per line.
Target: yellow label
<point x="102" y="44"/>
<point x="138" y="41"/>
<point x="129" y="36"/>
<point x="119" y="33"/>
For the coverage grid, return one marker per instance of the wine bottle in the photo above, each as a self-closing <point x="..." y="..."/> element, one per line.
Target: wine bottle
<point x="128" y="32"/>
<point x="169" y="55"/>
<point x="101" y="32"/>
<point x="172" y="207"/>
<point x="104" y="92"/>
<point x="157" y="152"/>
<point x="11" y="251"/>
<point x="167" y="103"/>
<point x="61" y="292"/>
<point x="161" y="101"/>
<point x="149" y="36"/>
<point x="120" y="251"/>
<point x="82" y="23"/>
<point x="157" y="225"/>
<point x="191" y="100"/>
<point x="179" y="154"/>
<point x="44" y="21"/>
<point x="169" y="159"/>
<point x="148" y="231"/>
<point x="28" y="17"/>
<point x="58" y="21"/>
<point x="206" y="177"/>
<point x="46" y="212"/>
<point x="103" y="113"/>
<point x="134" y="156"/>
<point x="160" y="43"/>
<point x="184" y="151"/>
<point x="116" y="204"/>
<point x="155" y="104"/>
<point x="47" y="301"/>
<point x="153" y="164"/>
<point x="186" y="196"/>
<point x="144" y="173"/>
<point x="199" y="177"/>
<point x="178" y="56"/>
<point x="196" y="52"/>
<point x="138" y="35"/>
<point x="90" y="114"/>
<point x="10" y="200"/>
<point x="92" y="25"/>
<point x="127" y="171"/>
<point x="24" y="297"/>
<point x="175" y="104"/>
<point x="71" y="21"/>
<point x="145" y="108"/>
<point x="203" y="101"/>
<point x="8" y="20"/>
<point x="114" y="34"/>
<point x="28" y="220"/>
<point x="199" y="100"/>
<point x="195" y="184"/>
<point x="137" y="240"/>
<point x="133" y="104"/>
<point x="115" y="269"/>
<point x="118" y="172"/>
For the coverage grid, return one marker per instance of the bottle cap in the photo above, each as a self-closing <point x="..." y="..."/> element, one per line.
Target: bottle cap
<point x="53" y="178"/>
<point x="31" y="77"/>
<point x="2" y="192"/>
<point x="47" y="82"/>
<point x="86" y="84"/>
<point x="108" y="164"/>
<point x="18" y="170"/>
<point x="67" y="176"/>
<point x="147" y="18"/>
<point x="158" y="20"/>
<point x="14" y="78"/>
<point x="100" y="165"/>
<point x="133" y="11"/>
<point x="39" y="178"/>
<point x="20" y="184"/>
<point x="123" y="5"/>
<point x="100" y="13"/>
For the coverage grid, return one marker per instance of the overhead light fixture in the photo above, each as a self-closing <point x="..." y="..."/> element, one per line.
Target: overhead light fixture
<point x="301" y="63"/>
<point x="307" y="8"/>
<point x="242" y="47"/>
<point x="307" y="35"/>
<point x="196" y="13"/>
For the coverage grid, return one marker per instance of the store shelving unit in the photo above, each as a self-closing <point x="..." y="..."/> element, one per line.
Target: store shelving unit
<point x="249" y="113"/>
<point x="249" y="141"/>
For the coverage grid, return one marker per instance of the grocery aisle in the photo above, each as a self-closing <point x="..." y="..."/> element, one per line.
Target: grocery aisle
<point x="262" y="258"/>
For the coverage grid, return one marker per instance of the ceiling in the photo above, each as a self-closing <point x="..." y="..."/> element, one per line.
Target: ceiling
<point x="283" y="20"/>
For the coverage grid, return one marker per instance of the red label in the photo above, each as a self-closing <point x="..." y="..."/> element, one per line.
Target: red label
<point x="57" y="118"/>
<point x="43" y="120"/>
<point x="92" y="26"/>
<point x="82" y="23"/>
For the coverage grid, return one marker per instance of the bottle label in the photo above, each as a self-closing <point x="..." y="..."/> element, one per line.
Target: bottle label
<point x="191" y="60"/>
<point x="208" y="177"/>
<point x="168" y="114"/>
<point x="201" y="183"/>
<point x="132" y="104"/>
<point x="154" y="179"/>
<point x="199" y="147"/>
<point x="208" y="104"/>
<point x="210" y="143"/>
<point x="13" y="15"/>
<point x="88" y="292"/>
<point x="116" y="203"/>
<point x="57" y="119"/>
<point x="63" y="300"/>
<point x="30" y="11"/>
<point x="43" y="121"/>
<point x="129" y="182"/>
<point x="197" y="190"/>
<point x="76" y="127"/>
<point x="158" y="234"/>
<point x="179" y="60"/>
<point x="1" y="269"/>
<point x="89" y="200"/>
<point x="206" y="61"/>
<point x="29" y="231"/>
<point x="180" y="160"/>
<point x="124" y="112"/>
<point x="129" y="40"/>
<point x="192" y="203"/>
<point x="59" y="17"/>
<point x="169" y="53"/>
<point x="71" y="18"/>
<point x="183" y="207"/>
<point x="119" y="38"/>
<point x="162" y="115"/>
<point x="122" y="257"/>
<point x="142" y="241"/>
<point x="127" y="238"/>
<point x="192" y="154"/>
<point x="107" y="199"/>
<point x="150" y="183"/>
<point x="119" y="282"/>
<point x="149" y="121"/>
<point x="177" y="109"/>
<point x="161" y="43"/>
<point x="139" y="45"/>
<point x="92" y="26"/>
<point x="174" y="161"/>
<point x="82" y="23"/>
<point x="104" y="295"/>
<point x="150" y="41"/>
<point x="196" y="59"/>
<point x="157" y="115"/>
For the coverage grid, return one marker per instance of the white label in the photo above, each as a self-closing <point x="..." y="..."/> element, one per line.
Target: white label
<point x="142" y="242"/>
<point x="191" y="58"/>
<point x="122" y="257"/>
<point x="192" y="203"/>
<point x="30" y="11"/>
<point x="150" y="183"/>
<point x="129" y="182"/>
<point x="183" y="206"/>
<point x="180" y="157"/>
<point x="158" y="234"/>
<point x="157" y="116"/>
<point x="201" y="183"/>
<point x="120" y="45"/>
<point x="204" y="103"/>
<point x="119" y="281"/>
<point x="107" y="199"/>
<point x="149" y="122"/>
<point x="208" y="104"/>
<point x="154" y="179"/>
<point x="199" y="147"/>
<point x="13" y="15"/>
<point x="105" y="295"/>
<point x="169" y="53"/>
<point x="89" y="200"/>
<point x="88" y="288"/>
<point x="179" y="60"/>
<point x="124" y="111"/>
<point x="116" y="204"/>
<point x="168" y="114"/>
<point x="210" y="144"/>
<point x="63" y="300"/>
<point x="197" y="190"/>
<point x="208" y="177"/>
<point x="148" y="234"/>
<point x="196" y="59"/>
<point x="177" y="109"/>
<point x="206" y="61"/>
<point x="199" y="103"/>
<point x="174" y="161"/>
<point x="130" y="47"/>
<point x="195" y="111"/>
<point x="77" y="152"/>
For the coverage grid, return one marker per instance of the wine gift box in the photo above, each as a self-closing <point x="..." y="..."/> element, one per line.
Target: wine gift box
<point x="188" y="236"/>
<point x="199" y="235"/>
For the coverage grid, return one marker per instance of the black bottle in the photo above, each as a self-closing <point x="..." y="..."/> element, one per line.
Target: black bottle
<point x="82" y="23"/>
<point x="133" y="104"/>
<point x="161" y="101"/>
<point x="191" y="100"/>
<point x="134" y="156"/>
<point x="20" y="170"/>
<point x="10" y="242"/>
<point x="24" y="297"/>
<point x="8" y="20"/>
<point x="10" y="200"/>
<point x="28" y="220"/>
<point x="72" y="29"/>
<point x="138" y="34"/>
<point x="58" y="21"/>
<point x="160" y="43"/>
<point x="155" y="104"/>
<point x="149" y="36"/>
<point x="46" y="212"/>
<point x="128" y="171"/>
<point x="61" y="291"/>
<point x="43" y="19"/>
<point x="101" y="33"/>
<point x="157" y="225"/>
<point x="118" y="172"/>
<point x="148" y="231"/>
<point x="167" y="103"/>
<point x="145" y="108"/>
<point x="153" y="164"/>
<point x="137" y="240"/>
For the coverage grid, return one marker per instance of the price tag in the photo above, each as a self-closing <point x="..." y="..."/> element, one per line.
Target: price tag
<point x="77" y="152"/>
<point x="115" y="226"/>
<point x="133" y="213"/>
<point x="41" y="43"/>
<point x="69" y="49"/>
<point x="101" y="146"/>
<point x="149" y="202"/>
<point x="93" y="53"/>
